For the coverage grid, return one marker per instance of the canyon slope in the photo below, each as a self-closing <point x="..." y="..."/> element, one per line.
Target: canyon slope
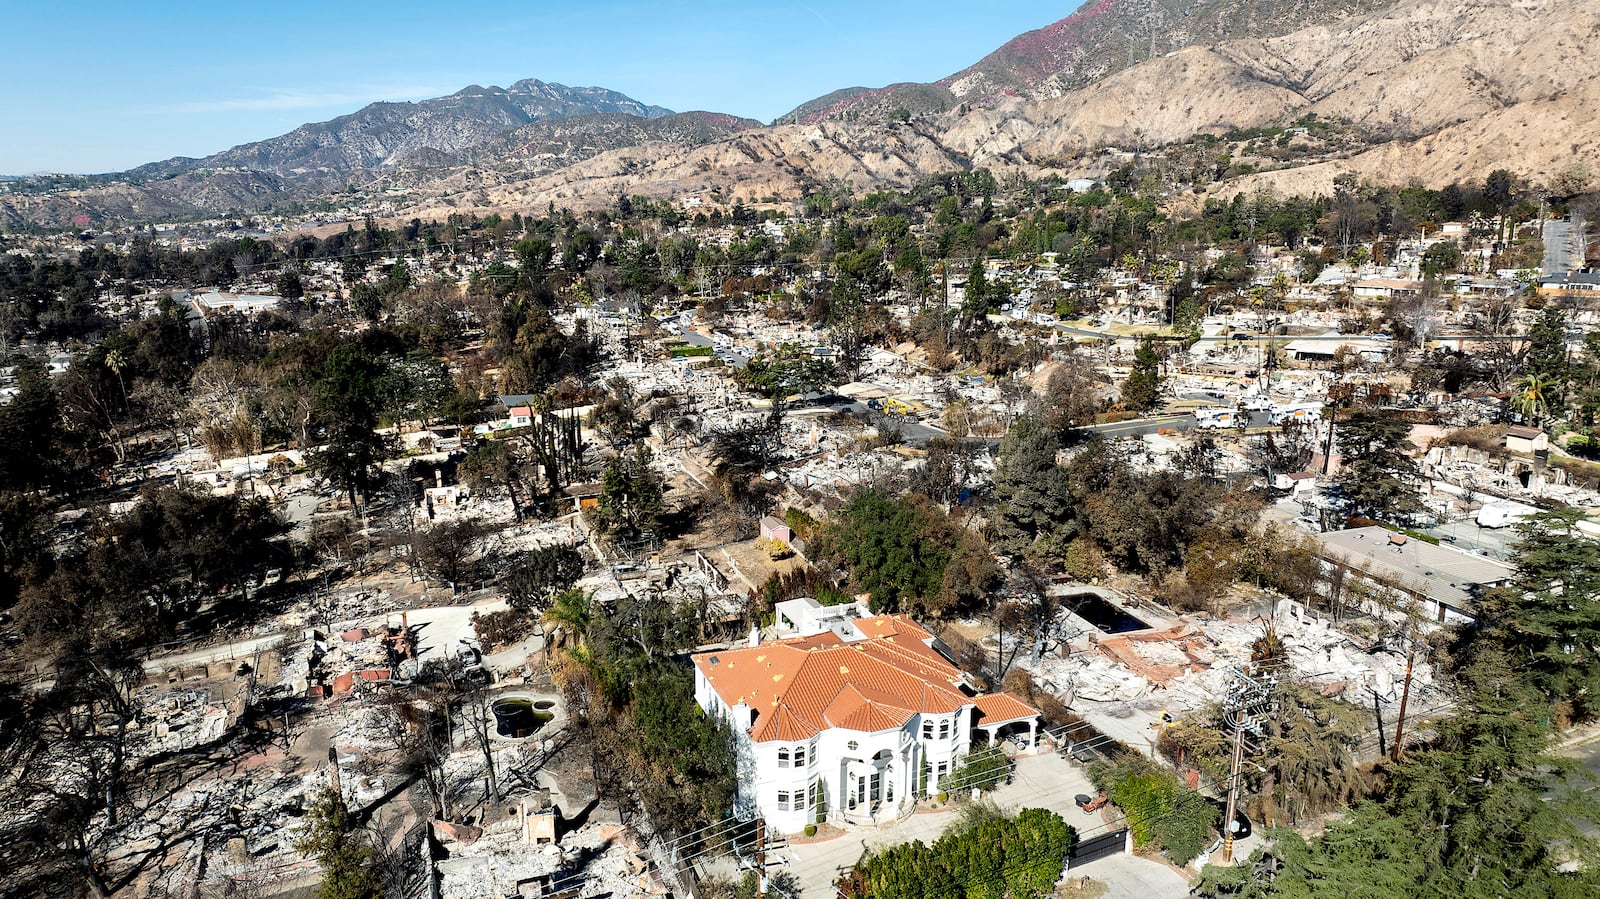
<point x="1433" y="91"/>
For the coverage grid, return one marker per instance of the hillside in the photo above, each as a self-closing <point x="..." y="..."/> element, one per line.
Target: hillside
<point x="1101" y="38"/>
<point x="1431" y="90"/>
<point x="383" y="133"/>
<point x="548" y="145"/>
<point x="1483" y="82"/>
<point x="785" y="161"/>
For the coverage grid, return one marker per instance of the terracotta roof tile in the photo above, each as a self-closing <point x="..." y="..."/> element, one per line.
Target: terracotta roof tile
<point x="780" y="724"/>
<point x="871" y="718"/>
<point x="801" y="686"/>
<point x="1002" y="708"/>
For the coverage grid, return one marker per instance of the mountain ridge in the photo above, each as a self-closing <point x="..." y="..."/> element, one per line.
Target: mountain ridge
<point x="1098" y="39"/>
<point x="1432" y="90"/>
<point x="380" y="133"/>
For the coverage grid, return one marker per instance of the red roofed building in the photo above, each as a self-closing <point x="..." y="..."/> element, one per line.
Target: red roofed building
<point x="853" y="720"/>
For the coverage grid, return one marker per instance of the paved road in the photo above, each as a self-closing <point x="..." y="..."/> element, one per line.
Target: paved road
<point x="232" y="650"/>
<point x="1557" y="248"/>
<point x="734" y="357"/>
<point x="1141" y="426"/>
<point x="914" y="432"/>
<point x="1257" y="339"/>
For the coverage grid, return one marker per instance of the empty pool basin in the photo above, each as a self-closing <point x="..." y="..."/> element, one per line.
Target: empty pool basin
<point x="518" y="717"/>
<point x="1105" y="616"/>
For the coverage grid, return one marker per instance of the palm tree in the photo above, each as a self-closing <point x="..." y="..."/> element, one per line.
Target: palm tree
<point x="116" y="361"/>
<point x="1532" y="396"/>
<point x="567" y="620"/>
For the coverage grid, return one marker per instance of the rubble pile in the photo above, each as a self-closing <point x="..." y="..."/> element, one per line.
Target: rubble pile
<point x="1187" y="667"/>
<point x="838" y="470"/>
<point x="596" y="860"/>
<point x="173" y="720"/>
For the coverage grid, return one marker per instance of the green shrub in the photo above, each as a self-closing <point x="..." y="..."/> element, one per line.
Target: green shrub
<point x="811" y="830"/>
<point x="983" y="768"/>
<point x="985" y="854"/>
<point x="1161" y="811"/>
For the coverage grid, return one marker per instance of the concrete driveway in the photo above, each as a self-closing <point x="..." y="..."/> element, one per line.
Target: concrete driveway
<point x="1042" y="781"/>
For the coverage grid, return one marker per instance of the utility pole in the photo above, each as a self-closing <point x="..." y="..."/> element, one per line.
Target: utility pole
<point x="1405" y="696"/>
<point x="761" y="858"/>
<point x="1245" y="707"/>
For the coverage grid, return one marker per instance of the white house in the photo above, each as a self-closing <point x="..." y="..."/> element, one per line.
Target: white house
<point x="1527" y="440"/>
<point x="851" y="721"/>
<point x="1299" y="484"/>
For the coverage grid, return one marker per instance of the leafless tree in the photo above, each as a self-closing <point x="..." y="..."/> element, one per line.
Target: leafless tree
<point x="417" y="732"/>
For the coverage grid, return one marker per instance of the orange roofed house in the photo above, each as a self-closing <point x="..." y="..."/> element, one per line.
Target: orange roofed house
<point x="850" y="718"/>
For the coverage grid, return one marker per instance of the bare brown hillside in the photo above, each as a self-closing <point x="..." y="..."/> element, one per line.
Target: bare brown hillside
<point x="1443" y="90"/>
<point x="1427" y="90"/>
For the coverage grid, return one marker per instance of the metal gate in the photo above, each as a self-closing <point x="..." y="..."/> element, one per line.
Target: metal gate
<point x="1097" y="848"/>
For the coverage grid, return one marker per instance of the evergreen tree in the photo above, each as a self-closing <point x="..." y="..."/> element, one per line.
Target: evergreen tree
<point x="1547" y="357"/>
<point x="631" y="503"/>
<point x="1033" y="508"/>
<point x="1142" y="391"/>
<point x="348" y="860"/>
<point x="1380" y="478"/>
<point x="1548" y="619"/>
<point x="541" y="574"/>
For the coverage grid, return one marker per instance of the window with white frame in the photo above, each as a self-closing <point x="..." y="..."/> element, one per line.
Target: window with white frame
<point x="800" y="756"/>
<point x="927" y="728"/>
<point x="785" y="800"/>
<point x="944" y="728"/>
<point x="792" y="756"/>
<point x="784" y="757"/>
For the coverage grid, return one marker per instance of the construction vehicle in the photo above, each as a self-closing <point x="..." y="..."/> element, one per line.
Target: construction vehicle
<point x="899" y="406"/>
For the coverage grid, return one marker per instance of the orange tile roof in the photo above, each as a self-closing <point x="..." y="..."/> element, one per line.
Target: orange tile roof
<point x="826" y="638"/>
<point x="1002" y="708"/>
<point x="782" y="724"/>
<point x="891" y="626"/>
<point x="872" y="717"/>
<point x="801" y="686"/>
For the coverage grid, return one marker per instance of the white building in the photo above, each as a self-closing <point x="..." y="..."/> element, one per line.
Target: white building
<point x="851" y="719"/>
<point x="1444" y="582"/>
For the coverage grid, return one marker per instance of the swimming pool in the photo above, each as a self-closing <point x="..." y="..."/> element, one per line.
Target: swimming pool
<point x="1111" y="619"/>
<point x="518" y="716"/>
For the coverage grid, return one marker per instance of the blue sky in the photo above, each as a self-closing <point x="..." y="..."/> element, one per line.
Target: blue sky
<point x="102" y="86"/>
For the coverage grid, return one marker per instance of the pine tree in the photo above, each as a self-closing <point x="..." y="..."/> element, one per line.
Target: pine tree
<point x="1380" y="478"/>
<point x="1547" y="358"/>
<point x="349" y="863"/>
<point x="1142" y="391"/>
